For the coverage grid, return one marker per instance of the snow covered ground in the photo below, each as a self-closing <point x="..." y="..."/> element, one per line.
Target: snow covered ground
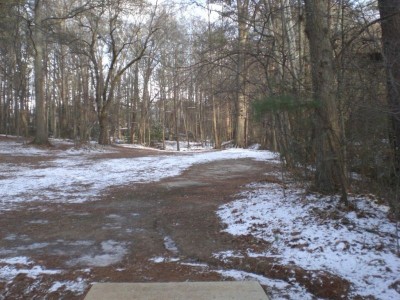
<point x="76" y="176"/>
<point x="308" y="230"/>
<point x="305" y="229"/>
<point x="170" y="146"/>
<point x="72" y="177"/>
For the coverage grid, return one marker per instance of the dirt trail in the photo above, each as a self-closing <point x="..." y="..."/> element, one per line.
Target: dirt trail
<point x="163" y="231"/>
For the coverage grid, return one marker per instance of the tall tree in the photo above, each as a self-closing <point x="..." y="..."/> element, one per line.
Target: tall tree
<point x="390" y="24"/>
<point x="211" y="79"/>
<point x="14" y="66"/>
<point x="39" y="44"/>
<point x="241" y="100"/>
<point x="329" y="173"/>
<point x="240" y="13"/>
<point x="114" y="44"/>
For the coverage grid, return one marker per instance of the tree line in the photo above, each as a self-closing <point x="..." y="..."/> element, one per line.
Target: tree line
<point x="315" y="80"/>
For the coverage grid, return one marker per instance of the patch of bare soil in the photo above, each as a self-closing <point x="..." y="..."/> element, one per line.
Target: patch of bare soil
<point x="163" y="231"/>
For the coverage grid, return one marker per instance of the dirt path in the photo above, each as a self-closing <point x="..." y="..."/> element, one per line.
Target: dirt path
<point x="163" y="231"/>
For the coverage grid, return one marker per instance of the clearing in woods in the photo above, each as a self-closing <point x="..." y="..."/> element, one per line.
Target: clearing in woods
<point x="73" y="217"/>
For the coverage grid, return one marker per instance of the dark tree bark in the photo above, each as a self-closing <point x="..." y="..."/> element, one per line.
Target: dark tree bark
<point x="41" y="135"/>
<point x="390" y="23"/>
<point x="330" y="176"/>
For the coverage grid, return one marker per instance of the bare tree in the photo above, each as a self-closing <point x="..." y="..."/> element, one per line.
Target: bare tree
<point x="114" y="44"/>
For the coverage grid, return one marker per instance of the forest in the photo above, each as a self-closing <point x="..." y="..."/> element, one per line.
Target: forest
<point x="315" y="80"/>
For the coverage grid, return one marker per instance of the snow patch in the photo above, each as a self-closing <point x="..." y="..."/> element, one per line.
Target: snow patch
<point x="310" y="231"/>
<point x="19" y="260"/>
<point x="111" y="253"/>
<point x="161" y="259"/>
<point x="170" y="245"/>
<point x="71" y="178"/>
<point x="224" y="255"/>
<point x="278" y="289"/>
<point x="22" y="265"/>
<point x="39" y="222"/>
<point x="77" y="286"/>
<point x="197" y="265"/>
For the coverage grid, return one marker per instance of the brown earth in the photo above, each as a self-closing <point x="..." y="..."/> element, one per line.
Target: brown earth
<point x="173" y="218"/>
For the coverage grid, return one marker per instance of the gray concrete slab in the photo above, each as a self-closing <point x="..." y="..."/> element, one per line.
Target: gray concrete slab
<point x="224" y="290"/>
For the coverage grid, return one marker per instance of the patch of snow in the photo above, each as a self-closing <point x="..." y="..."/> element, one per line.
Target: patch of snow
<point x="224" y="255"/>
<point x="15" y="148"/>
<point x="185" y="147"/>
<point x="77" y="243"/>
<point x="77" y="286"/>
<point x="170" y="245"/>
<point x="28" y="247"/>
<point x="307" y="229"/>
<point x="197" y="265"/>
<point x="40" y="222"/>
<point x="86" y="150"/>
<point x="111" y="252"/>
<point x="278" y="289"/>
<point x="10" y="237"/>
<point x="161" y="259"/>
<point x="170" y="146"/>
<point x="19" y="260"/>
<point x="77" y="178"/>
<point x="9" y="272"/>
<point x="33" y="246"/>
<point x="87" y="270"/>
<point x="157" y="259"/>
<point x="115" y="217"/>
<point x="355" y="176"/>
<point x="243" y="276"/>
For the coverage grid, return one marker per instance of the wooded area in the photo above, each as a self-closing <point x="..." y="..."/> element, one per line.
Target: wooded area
<point x="315" y="80"/>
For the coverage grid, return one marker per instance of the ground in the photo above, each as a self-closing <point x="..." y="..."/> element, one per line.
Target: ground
<point x="173" y="218"/>
<point x="160" y="230"/>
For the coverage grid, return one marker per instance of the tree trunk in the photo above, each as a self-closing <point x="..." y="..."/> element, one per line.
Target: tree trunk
<point x="241" y="100"/>
<point x="85" y="128"/>
<point x="135" y="101"/>
<point x="329" y="173"/>
<point x="144" y="115"/>
<point x="104" y="138"/>
<point x="217" y="140"/>
<point x="390" y="14"/>
<point x="289" y="41"/>
<point x="176" y="121"/>
<point x="41" y="136"/>
<point x="215" y="128"/>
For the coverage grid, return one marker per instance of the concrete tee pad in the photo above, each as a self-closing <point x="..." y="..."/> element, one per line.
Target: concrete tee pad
<point x="232" y="290"/>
